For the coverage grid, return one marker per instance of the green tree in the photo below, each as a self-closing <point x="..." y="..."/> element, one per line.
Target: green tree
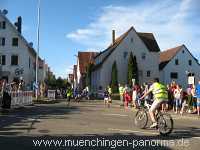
<point x="135" y="70"/>
<point x="89" y="75"/>
<point x="114" y="78"/>
<point x="51" y="81"/>
<point x="132" y="70"/>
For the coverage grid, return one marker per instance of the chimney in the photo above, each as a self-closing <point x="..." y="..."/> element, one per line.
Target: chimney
<point x="113" y="36"/>
<point x="18" y="24"/>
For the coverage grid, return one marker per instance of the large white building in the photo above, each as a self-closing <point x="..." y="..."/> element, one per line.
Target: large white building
<point x="176" y="64"/>
<point x="17" y="56"/>
<point x="143" y="46"/>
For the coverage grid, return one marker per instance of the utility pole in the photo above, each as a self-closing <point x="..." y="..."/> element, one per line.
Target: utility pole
<point x="38" y="47"/>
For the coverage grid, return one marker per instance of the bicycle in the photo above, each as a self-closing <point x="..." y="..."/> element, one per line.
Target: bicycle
<point x="163" y="118"/>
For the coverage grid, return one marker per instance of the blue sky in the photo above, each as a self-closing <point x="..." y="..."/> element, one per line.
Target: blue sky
<point x="69" y="26"/>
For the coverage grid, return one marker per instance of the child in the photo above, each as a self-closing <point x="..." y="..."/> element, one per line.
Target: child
<point x="106" y="98"/>
<point x="127" y="98"/>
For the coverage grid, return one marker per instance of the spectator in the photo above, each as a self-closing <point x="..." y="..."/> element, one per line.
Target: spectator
<point x="107" y="99"/>
<point x="184" y="102"/>
<point x="121" y="93"/>
<point x="198" y="97"/>
<point x="177" y="96"/>
<point x="134" y="97"/>
<point x="193" y="99"/>
<point x="189" y="98"/>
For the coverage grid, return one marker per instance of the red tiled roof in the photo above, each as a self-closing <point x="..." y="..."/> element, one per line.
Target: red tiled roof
<point x="84" y="59"/>
<point x="168" y="54"/>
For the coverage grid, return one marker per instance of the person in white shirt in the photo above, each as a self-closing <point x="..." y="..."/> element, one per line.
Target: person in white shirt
<point x="178" y="97"/>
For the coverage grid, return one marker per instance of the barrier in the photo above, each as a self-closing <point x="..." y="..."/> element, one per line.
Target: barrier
<point x="21" y="98"/>
<point x="51" y="94"/>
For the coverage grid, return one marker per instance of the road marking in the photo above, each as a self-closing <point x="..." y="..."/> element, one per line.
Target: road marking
<point x="133" y="131"/>
<point x="184" y="117"/>
<point x="196" y="137"/>
<point x="121" y="115"/>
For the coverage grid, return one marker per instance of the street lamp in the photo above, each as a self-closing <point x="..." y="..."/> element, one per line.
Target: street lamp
<point x="38" y="46"/>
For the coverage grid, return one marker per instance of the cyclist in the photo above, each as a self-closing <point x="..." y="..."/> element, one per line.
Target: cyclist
<point x="160" y="95"/>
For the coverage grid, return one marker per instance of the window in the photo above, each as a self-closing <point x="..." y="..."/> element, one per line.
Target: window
<point x="3" y="60"/>
<point x="183" y="51"/>
<point x="2" y="41"/>
<point x="29" y="63"/>
<point x="15" y="42"/>
<point x="176" y="62"/>
<point x="174" y="75"/>
<point x="143" y="56"/>
<point x="14" y="60"/>
<point x="125" y="54"/>
<point x="2" y="25"/>
<point x="131" y="40"/>
<point x="190" y="62"/>
<point x="148" y="73"/>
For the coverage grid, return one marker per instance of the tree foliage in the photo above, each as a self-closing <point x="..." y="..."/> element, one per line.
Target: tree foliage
<point x="114" y="78"/>
<point x="89" y="75"/>
<point x="132" y="70"/>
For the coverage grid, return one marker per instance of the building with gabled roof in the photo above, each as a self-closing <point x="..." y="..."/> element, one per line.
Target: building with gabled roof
<point x="178" y="64"/>
<point x="83" y="60"/>
<point x="143" y="46"/>
<point x="17" y="55"/>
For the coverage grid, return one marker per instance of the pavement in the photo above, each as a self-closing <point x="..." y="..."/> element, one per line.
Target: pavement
<point x="90" y="120"/>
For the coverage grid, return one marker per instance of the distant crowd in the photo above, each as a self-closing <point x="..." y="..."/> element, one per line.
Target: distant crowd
<point x="179" y="100"/>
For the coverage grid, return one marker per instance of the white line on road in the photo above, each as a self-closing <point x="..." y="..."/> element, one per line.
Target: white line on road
<point x="121" y="115"/>
<point x="133" y="131"/>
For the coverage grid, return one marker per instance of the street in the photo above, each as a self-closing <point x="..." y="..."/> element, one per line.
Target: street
<point x="88" y="120"/>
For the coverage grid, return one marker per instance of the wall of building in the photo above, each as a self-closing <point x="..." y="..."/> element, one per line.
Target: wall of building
<point x="21" y="50"/>
<point x="181" y="69"/>
<point x="137" y="47"/>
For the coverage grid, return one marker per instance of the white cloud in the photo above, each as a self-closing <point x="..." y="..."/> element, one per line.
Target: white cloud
<point x="168" y="20"/>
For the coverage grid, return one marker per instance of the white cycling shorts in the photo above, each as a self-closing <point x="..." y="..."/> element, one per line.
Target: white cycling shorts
<point x="156" y="104"/>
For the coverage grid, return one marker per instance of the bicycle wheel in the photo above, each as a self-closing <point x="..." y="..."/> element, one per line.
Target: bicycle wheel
<point x="141" y="118"/>
<point x="165" y="124"/>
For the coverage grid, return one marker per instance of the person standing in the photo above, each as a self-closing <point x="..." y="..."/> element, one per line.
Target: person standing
<point x="134" y="97"/>
<point x="198" y="97"/>
<point x="110" y="93"/>
<point x="106" y="98"/>
<point x="177" y="96"/>
<point x="121" y="94"/>
<point x="69" y="95"/>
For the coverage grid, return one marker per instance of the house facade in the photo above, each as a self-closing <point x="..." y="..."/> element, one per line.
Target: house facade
<point x="143" y="46"/>
<point x="177" y="64"/>
<point x="17" y="56"/>
<point x="83" y="60"/>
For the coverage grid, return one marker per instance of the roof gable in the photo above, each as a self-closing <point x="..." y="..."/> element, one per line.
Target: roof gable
<point x="167" y="55"/>
<point x="31" y="49"/>
<point x="150" y="41"/>
<point x="147" y="39"/>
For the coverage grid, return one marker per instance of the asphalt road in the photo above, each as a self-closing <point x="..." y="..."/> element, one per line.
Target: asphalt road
<point x="92" y="125"/>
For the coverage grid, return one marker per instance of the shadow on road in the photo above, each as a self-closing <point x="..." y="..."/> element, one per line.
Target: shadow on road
<point x="19" y="118"/>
